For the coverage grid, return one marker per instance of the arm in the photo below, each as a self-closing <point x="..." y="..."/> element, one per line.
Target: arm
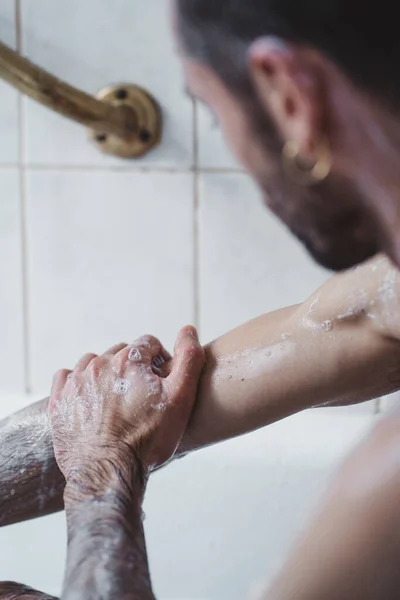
<point x="341" y="346"/>
<point x="115" y="420"/>
<point x="106" y="546"/>
<point x="31" y="484"/>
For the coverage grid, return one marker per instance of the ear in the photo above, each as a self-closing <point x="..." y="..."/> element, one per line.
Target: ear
<point x="289" y="86"/>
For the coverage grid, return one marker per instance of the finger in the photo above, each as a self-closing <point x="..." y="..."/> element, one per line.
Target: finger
<point x="158" y="364"/>
<point x="59" y="381"/>
<point x="158" y="361"/>
<point x="187" y="365"/>
<point x="115" y="349"/>
<point x="84" y="362"/>
<point x="161" y="364"/>
<point x="144" y="350"/>
<point x="165" y="370"/>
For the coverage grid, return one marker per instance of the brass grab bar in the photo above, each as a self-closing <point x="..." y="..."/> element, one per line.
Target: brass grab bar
<point x="124" y="120"/>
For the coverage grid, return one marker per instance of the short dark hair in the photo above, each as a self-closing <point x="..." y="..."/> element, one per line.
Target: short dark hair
<point x="360" y="36"/>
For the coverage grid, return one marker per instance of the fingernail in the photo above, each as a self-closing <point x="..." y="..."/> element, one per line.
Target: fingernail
<point x="158" y="361"/>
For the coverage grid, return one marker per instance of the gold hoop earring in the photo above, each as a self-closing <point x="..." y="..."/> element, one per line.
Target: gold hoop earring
<point x="300" y="170"/>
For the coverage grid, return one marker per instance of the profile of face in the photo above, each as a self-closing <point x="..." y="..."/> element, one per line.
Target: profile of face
<point x="331" y="189"/>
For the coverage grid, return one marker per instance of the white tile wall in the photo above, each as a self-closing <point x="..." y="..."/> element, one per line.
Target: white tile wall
<point x="108" y="253"/>
<point x="12" y="357"/>
<point x="249" y="264"/>
<point x="110" y="258"/>
<point x="213" y="151"/>
<point x="92" y="46"/>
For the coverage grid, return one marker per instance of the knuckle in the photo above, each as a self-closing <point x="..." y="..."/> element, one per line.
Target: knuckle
<point x="148" y="341"/>
<point x="86" y="360"/>
<point x="96" y="365"/>
<point x="57" y="374"/>
<point x="114" y="349"/>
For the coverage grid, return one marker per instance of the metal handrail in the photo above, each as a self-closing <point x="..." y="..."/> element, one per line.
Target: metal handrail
<point x="124" y="120"/>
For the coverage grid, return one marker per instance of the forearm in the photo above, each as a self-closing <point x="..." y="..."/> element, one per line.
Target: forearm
<point x="328" y="350"/>
<point x="254" y="378"/>
<point x="106" y="546"/>
<point x="341" y="346"/>
<point x="31" y="484"/>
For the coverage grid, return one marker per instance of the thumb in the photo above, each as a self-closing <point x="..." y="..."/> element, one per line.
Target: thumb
<point x="187" y="365"/>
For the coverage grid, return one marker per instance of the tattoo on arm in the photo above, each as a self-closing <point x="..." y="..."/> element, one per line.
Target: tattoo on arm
<point x="107" y="555"/>
<point x="31" y="484"/>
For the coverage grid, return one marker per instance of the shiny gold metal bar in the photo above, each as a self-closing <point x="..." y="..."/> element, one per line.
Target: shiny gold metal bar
<point x="124" y="120"/>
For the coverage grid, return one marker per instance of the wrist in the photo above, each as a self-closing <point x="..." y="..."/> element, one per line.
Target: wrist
<point x="116" y="471"/>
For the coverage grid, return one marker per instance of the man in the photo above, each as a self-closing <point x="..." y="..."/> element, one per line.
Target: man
<point x="307" y="95"/>
<point x="324" y="107"/>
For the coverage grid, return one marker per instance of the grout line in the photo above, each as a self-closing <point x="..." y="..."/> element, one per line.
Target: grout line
<point x="91" y="168"/>
<point x="18" y="24"/>
<point x="100" y="169"/>
<point x="222" y="171"/>
<point x="196" y="201"/>
<point x="23" y="223"/>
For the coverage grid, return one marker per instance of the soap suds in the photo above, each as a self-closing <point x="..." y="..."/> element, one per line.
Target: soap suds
<point x="134" y="355"/>
<point x="122" y="387"/>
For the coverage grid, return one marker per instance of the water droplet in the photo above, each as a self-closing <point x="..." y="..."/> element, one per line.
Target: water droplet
<point x="327" y="326"/>
<point x="285" y="336"/>
<point x="12" y="493"/>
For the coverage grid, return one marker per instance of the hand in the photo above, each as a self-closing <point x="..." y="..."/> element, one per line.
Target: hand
<point x="117" y="406"/>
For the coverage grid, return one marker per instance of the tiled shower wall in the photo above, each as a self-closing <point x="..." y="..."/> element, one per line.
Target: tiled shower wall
<point x="94" y="249"/>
